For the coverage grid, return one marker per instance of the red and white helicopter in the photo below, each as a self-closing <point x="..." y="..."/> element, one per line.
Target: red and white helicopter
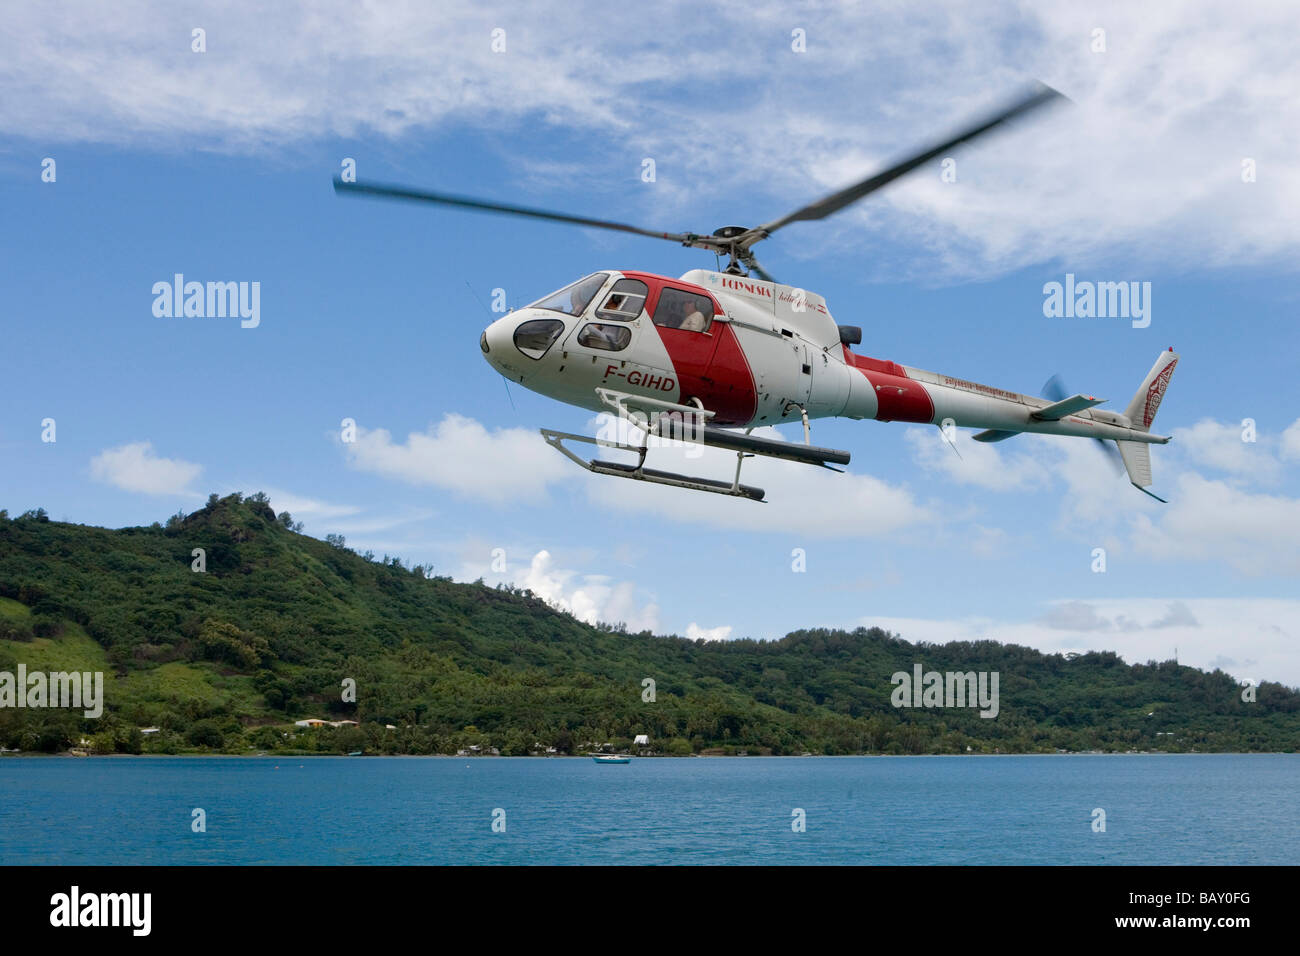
<point x="710" y="356"/>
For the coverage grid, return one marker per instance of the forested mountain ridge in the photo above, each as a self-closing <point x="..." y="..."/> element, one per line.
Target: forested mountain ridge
<point x="277" y="623"/>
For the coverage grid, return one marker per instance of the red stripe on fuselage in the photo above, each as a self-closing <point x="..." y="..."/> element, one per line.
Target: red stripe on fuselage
<point x="898" y="398"/>
<point x="722" y="381"/>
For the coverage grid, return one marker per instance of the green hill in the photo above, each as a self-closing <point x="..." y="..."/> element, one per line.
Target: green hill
<point x="227" y="659"/>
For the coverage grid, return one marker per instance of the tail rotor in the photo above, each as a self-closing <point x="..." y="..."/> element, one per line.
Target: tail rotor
<point x="1054" y="390"/>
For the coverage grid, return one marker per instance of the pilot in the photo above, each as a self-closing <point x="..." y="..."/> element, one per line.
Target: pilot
<point x="577" y="300"/>
<point x="583" y="293"/>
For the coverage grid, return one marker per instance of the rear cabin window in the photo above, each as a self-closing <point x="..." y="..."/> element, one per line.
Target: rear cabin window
<point x="624" y="302"/>
<point x="678" y="309"/>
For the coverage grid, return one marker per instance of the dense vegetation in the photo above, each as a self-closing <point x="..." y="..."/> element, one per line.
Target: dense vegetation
<point x="226" y="659"/>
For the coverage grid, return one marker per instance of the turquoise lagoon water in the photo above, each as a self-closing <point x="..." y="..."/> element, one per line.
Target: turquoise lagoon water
<point x="1166" y="809"/>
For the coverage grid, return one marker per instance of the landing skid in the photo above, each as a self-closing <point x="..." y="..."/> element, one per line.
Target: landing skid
<point x="686" y="423"/>
<point x="641" y="473"/>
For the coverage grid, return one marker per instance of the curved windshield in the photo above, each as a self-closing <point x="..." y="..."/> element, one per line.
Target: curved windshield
<point x="573" y="299"/>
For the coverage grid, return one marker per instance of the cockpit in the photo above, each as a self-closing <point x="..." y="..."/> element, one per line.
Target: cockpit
<point x="573" y="299"/>
<point x="607" y="306"/>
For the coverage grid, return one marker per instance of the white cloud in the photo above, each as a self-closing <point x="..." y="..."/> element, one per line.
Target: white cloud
<point x="1212" y="520"/>
<point x="695" y="633"/>
<point x="1289" y="445"/>
<point x="458" y="454"/>
<point x="588" y="597"/>
<point x="301" y="507"/>
<point x="370" y="525"/>
<point x="1221" y="521"/>
<point x="1074" y="616"/>
<point x="1219" y="445"/>
<point x="803" y="499"/>
<point x="976" y="463"/>
<point x="135" y="467"/>
<point x="1178" y="615"/>
<point x="1144" y="168"/>
<point x="1205" y="520"/>
<point x="1248" y="637"/>
<point x="510" y="465"/>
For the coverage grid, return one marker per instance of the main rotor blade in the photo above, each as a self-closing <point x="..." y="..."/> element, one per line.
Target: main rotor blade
<point x="836" y="201"/>
<point x="466" y="202"/>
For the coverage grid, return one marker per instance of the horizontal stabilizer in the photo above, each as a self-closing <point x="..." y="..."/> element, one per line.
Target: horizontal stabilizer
<point x="1066" y="406"/>
<point x="994" y="435"/>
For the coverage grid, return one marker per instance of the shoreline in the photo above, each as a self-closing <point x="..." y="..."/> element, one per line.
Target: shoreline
<point x="315" y="756"/>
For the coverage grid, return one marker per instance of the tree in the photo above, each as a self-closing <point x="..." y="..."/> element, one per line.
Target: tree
<point x="205" y="733"/>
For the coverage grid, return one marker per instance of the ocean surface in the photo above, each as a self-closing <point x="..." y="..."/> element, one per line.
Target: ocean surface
<point x="1172" y="809"/>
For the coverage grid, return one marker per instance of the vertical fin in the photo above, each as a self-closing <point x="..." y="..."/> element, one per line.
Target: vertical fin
<point x="1142" y="410"/>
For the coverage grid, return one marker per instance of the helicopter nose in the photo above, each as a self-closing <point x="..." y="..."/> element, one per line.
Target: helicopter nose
<point x="494" y="338"/>
<point x="495" y="343"/>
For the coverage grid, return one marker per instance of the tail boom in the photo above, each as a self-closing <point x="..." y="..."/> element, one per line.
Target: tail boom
<point x="894" y="392"/>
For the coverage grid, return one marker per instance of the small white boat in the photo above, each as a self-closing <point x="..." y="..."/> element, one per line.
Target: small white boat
<point x="611" y="758"/>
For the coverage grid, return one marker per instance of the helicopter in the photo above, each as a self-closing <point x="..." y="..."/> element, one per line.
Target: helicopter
<point x="710" y="356"/>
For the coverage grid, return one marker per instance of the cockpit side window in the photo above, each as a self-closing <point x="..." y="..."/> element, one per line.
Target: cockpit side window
<point x="573" y="299"/>
<point x="678" y="309"/>
<point x="624" y="302"/>
<point x="611" y="338"/>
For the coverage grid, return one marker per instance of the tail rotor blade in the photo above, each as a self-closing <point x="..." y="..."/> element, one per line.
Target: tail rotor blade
<point x="1054" y="390"/>
<point x="1111" y="451"/>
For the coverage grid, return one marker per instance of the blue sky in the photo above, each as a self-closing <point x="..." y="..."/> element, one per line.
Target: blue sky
<point x="218" y="164"/>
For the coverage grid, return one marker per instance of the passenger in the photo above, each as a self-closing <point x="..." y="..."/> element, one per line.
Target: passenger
<point x="692" y="318"/>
